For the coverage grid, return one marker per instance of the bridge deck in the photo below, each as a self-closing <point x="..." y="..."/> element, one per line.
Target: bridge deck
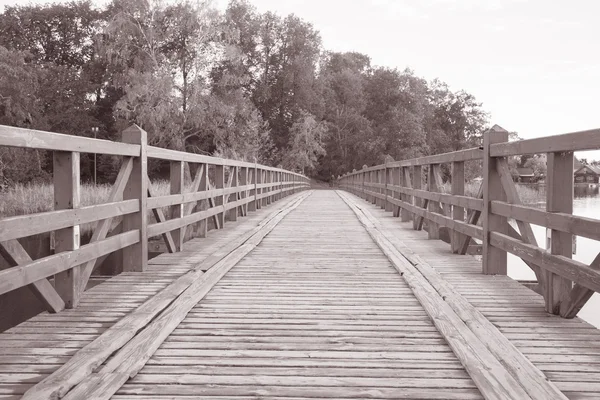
<point x="315" y="311"/>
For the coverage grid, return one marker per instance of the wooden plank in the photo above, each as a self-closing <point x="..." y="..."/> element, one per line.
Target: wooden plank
<point x="454" y="156"/>
<point x="490" y="376"/>
<point x="177" y="183"/>
<point x="494" y="259"/>
<point x="83" y="363"/>
<point x="14" y="254"/>
<point x="135" y="257"/>
<point x="42" y="140"/>
<point x="529" y="377"/>
<point x="573" y="224"/>
<point x="69" y="283"/>
<point x="569" y="142"/>
<point x="32" y="224"/>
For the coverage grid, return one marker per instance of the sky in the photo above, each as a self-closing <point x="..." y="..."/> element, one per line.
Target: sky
<point x="533" y="64"/>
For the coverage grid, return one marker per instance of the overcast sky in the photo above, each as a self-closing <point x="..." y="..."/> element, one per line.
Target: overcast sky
<point x="535" y="65"/>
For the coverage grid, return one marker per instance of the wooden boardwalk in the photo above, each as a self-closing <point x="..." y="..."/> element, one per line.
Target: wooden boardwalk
<point x="318" y="309"/>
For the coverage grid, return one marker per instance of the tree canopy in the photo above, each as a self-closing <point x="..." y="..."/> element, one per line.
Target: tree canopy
<point x="239" y="83"/>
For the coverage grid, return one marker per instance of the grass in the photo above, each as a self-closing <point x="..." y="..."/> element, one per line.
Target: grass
<point x="529" y="194"/>
<point x="37" y="198"/>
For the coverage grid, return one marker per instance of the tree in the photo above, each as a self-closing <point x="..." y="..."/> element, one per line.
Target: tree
<point x="538" y="164"/>
<point x="306" y="138"/>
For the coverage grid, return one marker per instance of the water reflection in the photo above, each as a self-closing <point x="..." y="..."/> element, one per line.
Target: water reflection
<point x="586" y="204"/>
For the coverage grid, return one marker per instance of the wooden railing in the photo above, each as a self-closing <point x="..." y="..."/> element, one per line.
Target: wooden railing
<point x="231" y="188"/>
<point x="565" y="284"/>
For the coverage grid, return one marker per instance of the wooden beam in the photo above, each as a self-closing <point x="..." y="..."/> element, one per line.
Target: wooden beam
<point x="417" y="184"/>
<point x="177" y="184"/>
<point x="15" y="254"/>
<point x="512" y="196"/>
<point x="559" y="198"/>
<point x="494" y="259"/>
<point x="67" y="190"/>
<point x="135" y="257"/>
<point x="578" y="296"/>
<point x="405" y="182"/>
<point x="220" y="200"/>
<point x="458" y="213"/>
<point x="160" y="217"/>
<point x="433" y="229"/>
<point x="472" y="219"/>
<point x="397" y="181"/>
<point x="103" y="227"/>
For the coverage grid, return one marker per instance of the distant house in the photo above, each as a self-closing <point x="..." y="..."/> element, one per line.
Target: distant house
<point x="587" y="174"/>
<point x="525" y="175"/>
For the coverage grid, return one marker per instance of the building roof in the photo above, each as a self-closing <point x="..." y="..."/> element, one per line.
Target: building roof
<point x="592" y="168"/>
<point x="525" y="171"/>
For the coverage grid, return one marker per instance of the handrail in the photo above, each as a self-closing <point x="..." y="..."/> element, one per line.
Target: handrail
<point x="231" y="189"/>
<point x="566" y="284"/>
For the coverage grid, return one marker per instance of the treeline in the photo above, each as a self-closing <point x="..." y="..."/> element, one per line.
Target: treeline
<point x="239" y="84"/>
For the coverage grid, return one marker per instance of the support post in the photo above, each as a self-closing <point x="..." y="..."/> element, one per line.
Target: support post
<point x="253" y="205"/>
<point x="559" y="198"/>
<point x="494" y="259"/>
<point x="69" y="284"/>
<point x="417" y="184"/>
<point x="243" y="209"/>
<point x="458" y="213"/>
<point x="203" y="186"/>
<point x="233" y="213"/>
<point x="220" y="199"/>
<point x="135" y="257"/>
<point x="177" y="185"/>
<point x="433" y="229"/>
<point x="397" y="182"/>
<point x="405" y="182"/>
<point x="388" y="181"/>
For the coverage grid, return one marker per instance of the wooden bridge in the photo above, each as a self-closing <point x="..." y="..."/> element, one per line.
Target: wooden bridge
<point x="302" y="293"/>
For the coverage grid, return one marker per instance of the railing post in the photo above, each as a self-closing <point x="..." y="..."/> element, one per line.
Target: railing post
<point x="559" y="198"/>
<point x="404" y="213"/>
<point x="66" y="175"/>
<point x="232" y="214"/>
<point x="243" y="210"/>
<point x="433" y="229"/>
<point x="494" y="259"/>
<point x="417" y="184"/>
<point x="253" y="205"/>
<point x="177" y="184"/>
<point x="135" y="257"/>
<point x="203" y="187"/>
<point x="458" y="213"/>
<point x="388" y="181"/>
<point x="397" y="181"/>
<point x="220" y="199"/>
<point x="262" y="179"/>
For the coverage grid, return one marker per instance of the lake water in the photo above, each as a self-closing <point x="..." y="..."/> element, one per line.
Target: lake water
<point x="586" y="204"/>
